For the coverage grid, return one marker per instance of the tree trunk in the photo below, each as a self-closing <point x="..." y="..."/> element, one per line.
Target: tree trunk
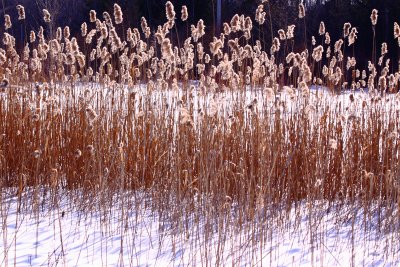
<point x="219" y="16"/>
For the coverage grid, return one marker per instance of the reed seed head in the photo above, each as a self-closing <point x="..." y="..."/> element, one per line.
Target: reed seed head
<point x="282" y="34"/>
<point x="67" y="32"/>
<point x="7" y="22"/>
<point x="32" y="37"/>
<point x="46" y="16"/>
<point x="321" y="30"/>
<point x="302" y="11"/>
<point x="384" y="49"/>
<point x="396" y="31"/>
<point x="184" y="13"/>
<point x="353" y="36"/>
<point x="290" y="32"/>
<point x="169" y="11"/>
<point x="317" y="53"/>
<point x="327" y="38"/>
<point x="374" y="17"/>
<point x="118" y="14"/>
<point x="92" y="15"/>
<point x="21" y="12"/>
<point x="346" y="29"/>
<point x="84" y="29"/>
<point x="260" y="15"/>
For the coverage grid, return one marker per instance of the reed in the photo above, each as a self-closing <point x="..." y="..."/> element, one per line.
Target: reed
<point x="139" y="112"/>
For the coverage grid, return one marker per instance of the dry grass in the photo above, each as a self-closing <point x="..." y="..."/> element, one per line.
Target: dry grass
<point x="103" y="115"/>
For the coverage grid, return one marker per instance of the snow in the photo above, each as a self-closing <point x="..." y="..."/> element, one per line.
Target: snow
<point x="82" y="232"/>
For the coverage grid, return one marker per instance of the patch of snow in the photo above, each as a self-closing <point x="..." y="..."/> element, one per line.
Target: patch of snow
<point x="64" y="234"/>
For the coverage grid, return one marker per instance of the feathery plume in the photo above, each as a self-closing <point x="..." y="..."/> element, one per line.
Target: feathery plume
<point x="21" y="12"/>
<point x="46" y="16"/>
<point x="200" y="28"/>
<point x="327" y="38"/>
<point x="184" y="13"/>
<point x="321" y="30"/>
<point x="84" y="29"/>
<point x="145" y="28"/>
<point x="290" y="32"/>
<point x="260" y="15"/>
<point x="313" y="41"/>
<point x="107" y="19"/>
<point x="346" y="29"/>
<point x="317" y="53"/>
<point x="235" y="23"/>
<point x="67" y="32"/>
<point x="282" y="34"/>
<point x="32" y="37"/>
<point x="352" y="36"/>
<point x="92" y="15"/>
<point x="169" y="11"/>
<point x="338" y="45"/>
<point x="384" y="49"/>
<point x="103" y="32"/>
<point x="351" y="62"/>
<point x="215" y="46"/>
<point x="227" y="28"/>
<point x="118" y="14"/>
<point x="302" y="11"/>
<point x="396" y="30"/>
<point x="276" y="43"/>
<point x="7" y="22"/>
<point x="59" y="34"/>
<point x="374" y="17"/>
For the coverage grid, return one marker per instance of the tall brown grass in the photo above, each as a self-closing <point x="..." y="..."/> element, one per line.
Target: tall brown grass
<point x="114" y="111"/>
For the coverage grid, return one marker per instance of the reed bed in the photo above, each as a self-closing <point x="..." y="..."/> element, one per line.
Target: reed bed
<point x="212" y="138"/>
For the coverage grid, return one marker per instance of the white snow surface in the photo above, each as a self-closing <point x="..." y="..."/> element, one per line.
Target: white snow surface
<point x="66" y="234"/>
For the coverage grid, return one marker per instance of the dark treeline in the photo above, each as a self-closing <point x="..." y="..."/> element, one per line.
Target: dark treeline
<point x="280" y="14"/>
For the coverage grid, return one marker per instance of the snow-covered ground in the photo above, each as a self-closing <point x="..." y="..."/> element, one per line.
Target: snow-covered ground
<point x="131" y="234"/>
